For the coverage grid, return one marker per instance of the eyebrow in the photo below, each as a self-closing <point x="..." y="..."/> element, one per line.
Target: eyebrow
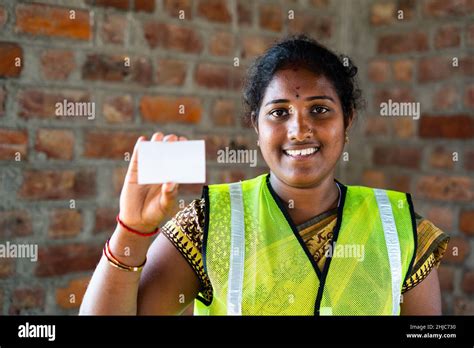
<point x="277" y="101"/>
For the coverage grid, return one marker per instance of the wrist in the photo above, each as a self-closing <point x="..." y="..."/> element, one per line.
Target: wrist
<point x="141" y="230"/>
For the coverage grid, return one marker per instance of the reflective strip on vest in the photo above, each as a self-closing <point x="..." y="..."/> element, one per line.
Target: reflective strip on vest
<point x="393" y="245"/>
<point x="237" y="254"/>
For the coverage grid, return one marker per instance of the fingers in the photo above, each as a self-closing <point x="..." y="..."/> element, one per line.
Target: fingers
<point x="132" y="168"/>
<point x="169" y="192"/>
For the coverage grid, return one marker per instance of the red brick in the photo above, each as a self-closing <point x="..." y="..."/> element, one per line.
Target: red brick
<point x="71" y="296"/>
<point x="55" y="143"/>
<point x="3" y="16"/>
<point x="172" y="37"/>
<point x="463" y="306"/>
<point x="15" y="223"/>
<point x="214" y="10"/>
<point x="11" y="63"/>
<point x="118" y="109"/>
<point x="167" y="109"/>
<point x="42" y="104"/>
<point x="320" y="29"/>
<point x="214" y="143"/>
<point x="448" y="36"/>
<point x="403" y="70"/>
<point x="118" y="4"/>
<point x="396" y="94"/>
<point x="446" y="98"/>
<point x="271" y="17"/>
<point x="144" y="5"/>
<point x="402" y="43"/>
<point x="403" y="127"/>
<point x="470" y="35"/>
<point x="446" y="278"/>
<point x="383" y="13"/>
<point x="171" y="72"/>
<point x="466" y="66"/>
<point x="466" y="222"/>
<point x="469" y="96"/>
<point x="223" y="112"/>
<point x="38" y="19"/>
<point x="105" y="219"/>
<point x="446" y="188"/>
<point x="319" y="3"/>
<point x="222" y="44"/>
<point x="58" y="184"/>
<point x="376" y="125"/>
<point x="435" y="69"/>
<point x="442" y="217"/>
<point x="374" y="178"/>
<point x="469" y="160"/>
<point x="7" y="267"/>
<point x="468" y="282"/>
<point x="115" y="68"/>
<point x="3" y="97"/>
<point x="64" y="223"/>
<point x="244" y="12"/>
<point x="109" y="144"/>
<point x="11" y="142"/>
<point x="397" y="156"/>
<point x="441" y="158"/>
<point x="400" y="183"/>
<point x="173" y="8"/>
<point x="113" y="28"/>
<point x="68" y="258"/>
<point x="450" y="127"/>
<point x="379" y="71"/>
<point x="457" y="251"/>
<point x="254" y="45"/>
<point x="441" y="8"/>
<point x="26" y="298"/>
<point x="57" y="64"/>
<point x="215" y="76"/>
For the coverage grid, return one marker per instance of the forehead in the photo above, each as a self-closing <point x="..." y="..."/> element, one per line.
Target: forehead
<point x="286" y="82"/>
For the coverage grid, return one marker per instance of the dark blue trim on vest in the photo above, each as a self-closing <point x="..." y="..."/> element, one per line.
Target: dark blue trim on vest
<point x="415" y="236"/>
<point x="282" y="207"/>
<point x="335" y="232"/>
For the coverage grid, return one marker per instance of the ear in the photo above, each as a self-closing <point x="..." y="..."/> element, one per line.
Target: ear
<point x="254" y="120"/>
<point x="351" y="119"/>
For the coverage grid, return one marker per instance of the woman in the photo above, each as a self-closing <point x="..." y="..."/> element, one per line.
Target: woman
<point x="294" y="241"/>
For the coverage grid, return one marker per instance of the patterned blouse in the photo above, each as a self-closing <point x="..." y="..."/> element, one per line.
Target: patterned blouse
<point x="185" y="231"/>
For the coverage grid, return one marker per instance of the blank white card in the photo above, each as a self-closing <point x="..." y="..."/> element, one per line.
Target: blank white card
<point x="180" y="162"/>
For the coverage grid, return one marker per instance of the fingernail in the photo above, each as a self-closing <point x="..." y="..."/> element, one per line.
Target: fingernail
<point x="170" y="187"/>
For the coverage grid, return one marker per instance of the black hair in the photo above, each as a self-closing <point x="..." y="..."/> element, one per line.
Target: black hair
<point x="303" y="51"/>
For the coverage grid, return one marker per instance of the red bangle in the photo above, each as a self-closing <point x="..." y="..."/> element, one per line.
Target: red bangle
<point x="143" y="234"/>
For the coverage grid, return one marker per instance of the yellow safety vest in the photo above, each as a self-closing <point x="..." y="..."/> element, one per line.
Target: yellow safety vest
<point x="259" y="265"/>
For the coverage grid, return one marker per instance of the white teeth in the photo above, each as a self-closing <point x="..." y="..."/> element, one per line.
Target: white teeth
<point x="303" y="152"/>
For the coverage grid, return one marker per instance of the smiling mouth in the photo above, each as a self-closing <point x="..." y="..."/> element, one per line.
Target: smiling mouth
<point x="302" y="153"/>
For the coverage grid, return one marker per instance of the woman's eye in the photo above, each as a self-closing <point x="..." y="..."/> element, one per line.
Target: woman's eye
<point x="320" y="109"/>
<point x="279" y="113"/>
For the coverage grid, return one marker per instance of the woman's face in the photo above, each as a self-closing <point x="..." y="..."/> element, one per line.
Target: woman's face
<point x="301" y="127"/>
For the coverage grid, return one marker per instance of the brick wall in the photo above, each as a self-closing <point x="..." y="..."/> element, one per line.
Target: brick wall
<point x="138" y="61"/>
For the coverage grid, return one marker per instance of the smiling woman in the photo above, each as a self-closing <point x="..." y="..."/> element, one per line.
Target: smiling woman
<point x="294" y="241"/>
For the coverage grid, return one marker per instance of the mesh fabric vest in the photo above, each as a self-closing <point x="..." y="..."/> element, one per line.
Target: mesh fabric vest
<point x="259" y="265"/>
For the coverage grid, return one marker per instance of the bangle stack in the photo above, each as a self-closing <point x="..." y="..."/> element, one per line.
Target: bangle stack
<point x="116" y="263"/>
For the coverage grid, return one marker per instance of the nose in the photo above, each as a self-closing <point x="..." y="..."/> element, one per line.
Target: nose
<point x="299" y="127"/>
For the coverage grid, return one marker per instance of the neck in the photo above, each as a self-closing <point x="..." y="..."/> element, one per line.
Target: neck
<point x="304" y="203"/>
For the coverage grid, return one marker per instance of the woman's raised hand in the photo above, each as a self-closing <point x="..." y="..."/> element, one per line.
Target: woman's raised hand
<point x="143" y="207"/>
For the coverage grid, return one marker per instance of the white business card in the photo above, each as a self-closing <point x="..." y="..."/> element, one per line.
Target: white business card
<point x="182" y="162"/>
